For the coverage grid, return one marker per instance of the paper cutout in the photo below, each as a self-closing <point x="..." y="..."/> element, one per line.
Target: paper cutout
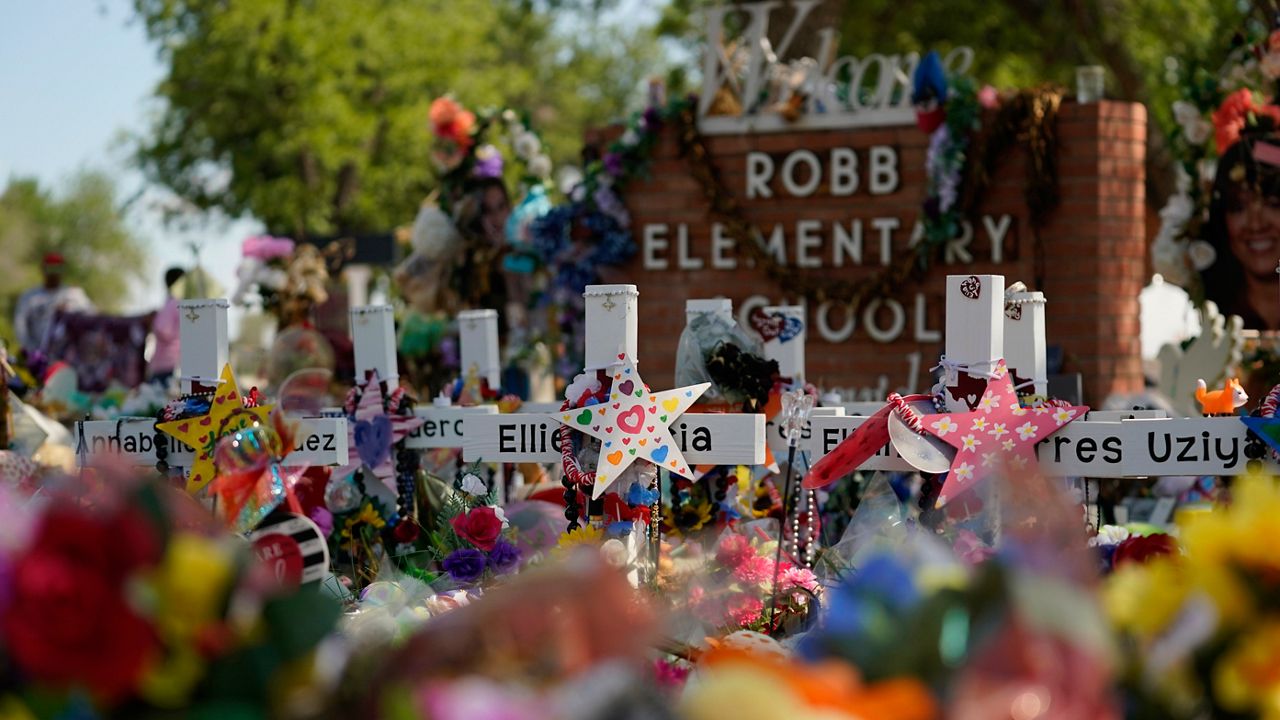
<point x="999" y="432"/>
<point x="226" y="415"/>
<point x="633" y="425"/>
<point x="373" y="432"/>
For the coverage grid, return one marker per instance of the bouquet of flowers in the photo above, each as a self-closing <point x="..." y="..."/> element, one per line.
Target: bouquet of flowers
<point x="127" y="601"/>
<point x="472" y="540"/>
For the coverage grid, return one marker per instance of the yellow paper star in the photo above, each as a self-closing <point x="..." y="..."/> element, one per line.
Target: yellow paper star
<point x="226" y="415"/>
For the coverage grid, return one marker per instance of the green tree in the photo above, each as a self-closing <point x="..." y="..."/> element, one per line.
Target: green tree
<point x="84" y="224"/>
<point x="312" y="115"/>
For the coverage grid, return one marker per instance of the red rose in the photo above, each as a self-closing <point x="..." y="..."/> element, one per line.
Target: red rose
<point x="67" y="622"/>
<point x="1140" y="548"/>
<point x="480" y="527"/>
<point x="1232" y="116"/>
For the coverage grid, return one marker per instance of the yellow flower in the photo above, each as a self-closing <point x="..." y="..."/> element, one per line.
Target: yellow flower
<point x="191" y="583"/>
<point x="582" y="535"/>
<point x="1247" y="677"/>
<point x="367" y="515"/>
<point x="1144" y="598"/>
<point x="168" y="684"/>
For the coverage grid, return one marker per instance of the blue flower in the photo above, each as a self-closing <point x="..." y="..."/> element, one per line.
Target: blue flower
<point x="504" y="557"/>
<point x="465" y="565"/>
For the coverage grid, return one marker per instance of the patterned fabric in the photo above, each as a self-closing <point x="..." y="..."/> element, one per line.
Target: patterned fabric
<point x="101" y="348"/>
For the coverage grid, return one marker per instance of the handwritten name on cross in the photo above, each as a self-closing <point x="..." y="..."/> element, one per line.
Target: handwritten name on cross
<point x="612" y="322"/>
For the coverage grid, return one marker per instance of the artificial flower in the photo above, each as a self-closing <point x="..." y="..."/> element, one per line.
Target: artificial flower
<point x="465" y="565"/>
<point x="581" y="535"/>
<point x="1237" y="111"/>
<point x="526" y="145"/>
<point x="745" y="609"/>
<point x="479" y="526"/>
<point x="451" y="121"/>
<point x="733" y="550"/>
<point x="504" y="557"/>
<point x="1141" y="548"/>
<point x="266" y="247"/>
<point x="488" y="162"/>
<point x="474" y="486"/>
<point x="1195" y="128"/>
<point x="989" y="97"/>
<point x="68" y="621"/>
<point x="540" y="166"/>
<point x="754" y="569"/>
<point x="1109" y="535"/>
<point x="192" y="583"/>
<point x="1247" y="677"/>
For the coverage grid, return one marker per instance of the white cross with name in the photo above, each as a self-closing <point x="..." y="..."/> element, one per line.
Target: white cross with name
<point x="611" y="319"/>
<point x="982" y="327"/>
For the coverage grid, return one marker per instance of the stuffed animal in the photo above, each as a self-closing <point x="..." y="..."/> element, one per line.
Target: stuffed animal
<point x="1221" y="402"/>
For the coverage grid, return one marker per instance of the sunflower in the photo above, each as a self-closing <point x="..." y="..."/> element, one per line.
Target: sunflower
<point x="582" y="535"/>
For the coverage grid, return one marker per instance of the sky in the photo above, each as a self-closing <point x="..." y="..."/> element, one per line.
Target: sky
<point x="76" y="78"/>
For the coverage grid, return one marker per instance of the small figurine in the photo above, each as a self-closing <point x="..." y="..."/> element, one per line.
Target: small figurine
<point x="1221" y="402"/>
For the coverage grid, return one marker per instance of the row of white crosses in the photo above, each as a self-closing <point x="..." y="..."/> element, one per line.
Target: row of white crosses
<point x="612" y="313"/>
<point x="1104" y="444"/>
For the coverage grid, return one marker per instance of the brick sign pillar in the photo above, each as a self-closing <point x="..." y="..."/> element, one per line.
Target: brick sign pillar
<point x="1092" y="246"/>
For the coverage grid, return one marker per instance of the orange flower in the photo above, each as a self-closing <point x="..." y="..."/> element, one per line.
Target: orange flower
<point x="451" y="121"/>
<point x="1232" y="116"/>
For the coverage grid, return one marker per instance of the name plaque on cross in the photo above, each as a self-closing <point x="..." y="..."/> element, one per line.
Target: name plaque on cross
<point x="322" y="441"/>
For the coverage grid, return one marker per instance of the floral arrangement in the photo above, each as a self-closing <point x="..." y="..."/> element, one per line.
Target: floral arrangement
<point x="948" y="110"/>
<point x="733" y="590"/>
<point x="288" y="277"/>
<point x="1200" y="628"/>
<point x="1216" y="107"/>
<point x="125" y="600"/>
<point x="472" y="541"/>
<point x="1117" y="546"/>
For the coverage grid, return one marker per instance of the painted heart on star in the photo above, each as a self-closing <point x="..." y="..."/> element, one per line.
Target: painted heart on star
<point x="659" y="454"/>
<point x="632" y="420"/>
<point x="584" y="417"/>
<point x="670" y="404"/>
<point x="373" y="440"/>
<point x="614" y="457"/>
<point x="626" y="387"/>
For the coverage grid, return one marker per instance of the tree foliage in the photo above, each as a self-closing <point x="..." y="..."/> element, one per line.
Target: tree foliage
<point x="312" y="114"/>
<point x="84" y="224"/>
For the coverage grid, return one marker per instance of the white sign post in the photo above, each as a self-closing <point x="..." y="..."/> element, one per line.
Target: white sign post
<point x="478" y="337"/>
<point x="203" y="346"/>
<point x="788" y="349"/>
<point x="1024" y="345"/>
<point x="975" y="336"/>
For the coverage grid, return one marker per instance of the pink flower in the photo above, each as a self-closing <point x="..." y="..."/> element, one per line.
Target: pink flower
<point x="988" y="97"/>
<point x="798" y="578"/>
<point x="733" y="550"/>
<point x="754" y="570"/>
<point x="670" y="675"/>
<point x="970" y="548"/>
<point x="745" y="609"/>
<point x="266" y="247"/>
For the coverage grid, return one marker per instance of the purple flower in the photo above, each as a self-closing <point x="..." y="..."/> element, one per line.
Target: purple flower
<point x="323" y="519"/>
<point x="488" y="162"/>
<point x="504" y="557"/>
<point x="465" y="565"/>
<point x="613" y="164"/>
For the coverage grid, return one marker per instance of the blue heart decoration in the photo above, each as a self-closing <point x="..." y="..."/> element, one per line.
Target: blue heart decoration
<point x="790" y="329"/>
<point x="373" y="440"/>
<point x="660" y="454"/>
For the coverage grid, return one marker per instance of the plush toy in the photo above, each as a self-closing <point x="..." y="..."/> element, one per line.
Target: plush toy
<point x="1221" y="402"/>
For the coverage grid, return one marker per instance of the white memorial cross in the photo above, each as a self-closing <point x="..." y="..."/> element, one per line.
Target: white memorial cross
<point x="373" y="336"/>
<point x="612" y="330"/>
<point x="1102" y="444"/>
<point x="203" y="353"/>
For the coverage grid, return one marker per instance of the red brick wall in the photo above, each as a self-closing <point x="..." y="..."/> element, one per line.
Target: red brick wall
<point x="1094" y="246"/>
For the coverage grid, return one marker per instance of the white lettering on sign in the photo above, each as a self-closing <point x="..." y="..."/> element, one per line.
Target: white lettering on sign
<point x="322" y="441"/>
<point x="841" y="92"/>
<point x="802" y="172"/>
<point x="704" y="438"/>
<point x="818" y="243"/>
<point x="1099" y="448"/>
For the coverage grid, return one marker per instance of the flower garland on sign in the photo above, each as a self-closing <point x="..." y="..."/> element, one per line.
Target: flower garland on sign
<point x="1217" y="109"/>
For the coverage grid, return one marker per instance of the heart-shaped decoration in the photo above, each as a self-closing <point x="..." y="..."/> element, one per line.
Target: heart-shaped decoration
<point x="632" y="420"/>
<point x="791" y="328"/>
<point x="608" y="443"/>
<point x="650" y="428"/>
<point x="643" y="441"/>
<point x="614" y="457"/>
<point x="600" y="411"/>
<point x="659" y="454"/>
<point x="670" y="404"/>
<point x="673" y="463"/>
<point x="584" y="417"/>
<point x="769" y="326"/>
<point x="617" y="405"/>
<point x="609" y="429"/>
<point x="184" y="427"/>
<point x="621" y="356"/>
<point x="206" y="420"/>
<point x="638" y="393"/>
<point x="626" y="441"/>
<point x="663" y="418"/>
<point x="653" y="410"/>
<point x="373" y="440"/>
<point x="632" y="451"/>
<point x="595" y="427"/>
<point x="627" y="386"/>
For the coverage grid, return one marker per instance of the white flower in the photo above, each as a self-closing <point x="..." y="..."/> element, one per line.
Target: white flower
<point x="1064" y="415"/>
<point x="1177" y="210"/>
<point x="943" y="426"/>
<point x="474" y="486"/>
<point x="509" y="116"/>
<point x="989" y="402"/>
<point x="968" y="442"/>
<point x="964" y="471"/>
<point x="1018" y="462"/>
<point x="502" y="515"/>
<point x="979" y="423"/>
<point x="1201" y="254"/>
<point x="998" y="430"/>
<point x="1194" y="127"/>
<point x="1007" y="445"/>
<point x="526" y="145"/>
<point x="989" y="459"/>
<point x="540" y="166"/>
<point x="1026" y="430"/>
<point x="1109" y="535"/>
<point x="629" y="138"/>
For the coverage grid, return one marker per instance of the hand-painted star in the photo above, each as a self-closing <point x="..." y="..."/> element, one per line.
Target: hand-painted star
<point x="372" y="432"/>
<point x="226" y="415"/>
<point x="998" y="433"/>
<point x="633" y="424"/>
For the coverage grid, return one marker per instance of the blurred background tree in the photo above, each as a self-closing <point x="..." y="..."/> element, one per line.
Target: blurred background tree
<point x="84" y="223"/>
<point x="312" y="116"/>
